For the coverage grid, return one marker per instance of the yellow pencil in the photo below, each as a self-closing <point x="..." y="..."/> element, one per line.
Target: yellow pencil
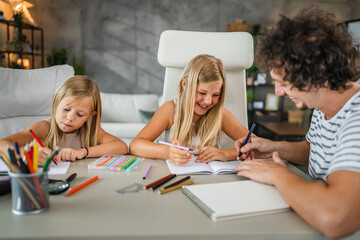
<point x="35" y="157"/>
<point x="175" y="187"/>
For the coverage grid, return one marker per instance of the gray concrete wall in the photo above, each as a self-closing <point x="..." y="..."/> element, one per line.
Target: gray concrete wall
<point x="118" y="39"/>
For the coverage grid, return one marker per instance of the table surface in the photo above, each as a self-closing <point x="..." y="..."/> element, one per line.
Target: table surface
<point x="97" y="212"/>
<point x="284" y="128"/>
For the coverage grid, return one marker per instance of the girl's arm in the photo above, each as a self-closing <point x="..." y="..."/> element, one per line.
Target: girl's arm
<point x="41" y="130"/>
<point x="107" y="144"/>
<point x="235" y="130"/>
<point x="143" y="144"/>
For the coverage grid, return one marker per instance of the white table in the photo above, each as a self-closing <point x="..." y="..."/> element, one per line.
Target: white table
<point x="97" y="212"/>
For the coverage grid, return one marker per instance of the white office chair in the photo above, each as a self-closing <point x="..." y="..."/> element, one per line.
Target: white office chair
<point x="235" y="49"/>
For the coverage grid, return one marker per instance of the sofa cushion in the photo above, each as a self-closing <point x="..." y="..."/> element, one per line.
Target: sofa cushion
<point x="25" y="95"/>
<point x="29" y="92"/>
<point x="123" y="130"/>
<point x="124" y="108"/>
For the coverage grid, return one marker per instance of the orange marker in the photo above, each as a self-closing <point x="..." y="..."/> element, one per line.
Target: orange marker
<point x="82" y="185"/>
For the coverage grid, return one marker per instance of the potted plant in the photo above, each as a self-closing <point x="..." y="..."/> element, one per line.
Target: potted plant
<point x="58" y="56"/>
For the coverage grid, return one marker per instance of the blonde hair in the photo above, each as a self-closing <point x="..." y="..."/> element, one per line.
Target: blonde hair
<point x="202" y="68"/>
<point x="78" y="87"/>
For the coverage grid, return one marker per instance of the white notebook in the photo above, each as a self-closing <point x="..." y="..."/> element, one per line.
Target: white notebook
<point x="214" y="167"/>
<point x="235" y="199"/>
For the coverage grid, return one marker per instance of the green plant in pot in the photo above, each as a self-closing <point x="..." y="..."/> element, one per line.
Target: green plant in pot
<point x="58" y="56"/>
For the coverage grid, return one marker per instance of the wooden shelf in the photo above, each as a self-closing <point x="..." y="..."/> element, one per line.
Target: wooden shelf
<point x="33" y="54"/>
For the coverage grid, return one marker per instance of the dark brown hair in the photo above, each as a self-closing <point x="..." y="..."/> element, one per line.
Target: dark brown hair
<point x="313" y="48"/>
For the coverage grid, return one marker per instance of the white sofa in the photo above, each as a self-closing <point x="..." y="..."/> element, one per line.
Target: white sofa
<point x="124" y="115"/>
<point x="25" y="95"/>
<point x="25" y="98"/>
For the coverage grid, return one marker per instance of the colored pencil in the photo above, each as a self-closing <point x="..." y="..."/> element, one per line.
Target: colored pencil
<point x="11" y="155"/>
<point x="177" y="182"/>
<point x="40" y="143"/>
<point x="147" y="171"/>
<point x="35" y="157"/>
<point x="36" y="138"/>
<point x="162" y="182"/>
<point x="72" y="191"/>
<point x="175" y="187"/>
<point x="157" y="181"/>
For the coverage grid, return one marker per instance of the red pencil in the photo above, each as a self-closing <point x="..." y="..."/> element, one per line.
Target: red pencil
<point x="40" y="143"/>
<point x="82" y="185"/>
<point x="156" y="182"/>
<point x="37" y="139"/>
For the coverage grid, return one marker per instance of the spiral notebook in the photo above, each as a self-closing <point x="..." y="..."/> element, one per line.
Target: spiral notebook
<point x="235" y="199"/>
<point x="214" y="167"/>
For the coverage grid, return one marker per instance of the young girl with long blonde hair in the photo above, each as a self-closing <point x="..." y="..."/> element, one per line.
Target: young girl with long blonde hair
<point x="74" y="126"/>
<point x="195" y="119"/>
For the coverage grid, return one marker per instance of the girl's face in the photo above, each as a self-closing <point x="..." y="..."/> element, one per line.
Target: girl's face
<point x="207" y="96"/>
<point x="72" y="113"/>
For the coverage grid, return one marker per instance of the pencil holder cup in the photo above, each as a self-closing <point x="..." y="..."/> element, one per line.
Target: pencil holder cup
<point x="30" y="193"/>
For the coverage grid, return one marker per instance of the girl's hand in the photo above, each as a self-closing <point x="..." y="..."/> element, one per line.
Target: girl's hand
<point x="43" y="153"/>
<point x="179" y="156"/>
<point x="70" y="154"/>
<point x="209" y="153"/>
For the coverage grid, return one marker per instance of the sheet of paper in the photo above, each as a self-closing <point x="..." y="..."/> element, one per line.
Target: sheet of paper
<point x="189" y="168"/>
<point x="61" y="168"/>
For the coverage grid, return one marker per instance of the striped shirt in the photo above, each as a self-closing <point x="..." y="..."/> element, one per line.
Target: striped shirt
<point x="335" y="143"/>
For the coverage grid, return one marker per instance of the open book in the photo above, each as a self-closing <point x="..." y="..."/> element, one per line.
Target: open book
<point x="214" y="167"/>
<point x="235" y="199"/>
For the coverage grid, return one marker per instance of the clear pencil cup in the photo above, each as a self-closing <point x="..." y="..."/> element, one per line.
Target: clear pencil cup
<point x="30" y="193"/>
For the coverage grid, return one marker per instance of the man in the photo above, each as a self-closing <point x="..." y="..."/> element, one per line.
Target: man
<point x="313" y="62"/>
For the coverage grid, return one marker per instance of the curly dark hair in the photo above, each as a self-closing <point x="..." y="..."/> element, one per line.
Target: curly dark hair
<point x="314" y="49"/>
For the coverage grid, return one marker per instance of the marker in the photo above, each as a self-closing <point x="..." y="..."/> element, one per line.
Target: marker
<point x="177" y="146"/>
<point x="74" y="190"/>
<point x="134" y="164"/>
<point x="247" y="138"/>
<point x="40" y="143"/>
<point x="147" y="171"/>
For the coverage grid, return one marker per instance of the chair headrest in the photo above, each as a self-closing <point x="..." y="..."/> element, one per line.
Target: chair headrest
<point x="177" y="48"/>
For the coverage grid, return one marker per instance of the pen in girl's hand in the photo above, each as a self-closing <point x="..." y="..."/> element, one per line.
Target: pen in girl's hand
<point x="177" y="146"/>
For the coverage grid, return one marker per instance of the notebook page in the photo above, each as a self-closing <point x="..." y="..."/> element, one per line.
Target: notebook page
<point x="61" y="168"/>
<point x="224" y="167"/>
<point x="189" y="168"/>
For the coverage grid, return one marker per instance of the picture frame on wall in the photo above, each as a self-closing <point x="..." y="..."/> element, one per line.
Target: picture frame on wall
<point x="261" y="78"/>
<point x="259" y="105"/>
<point x="271" y="102"/>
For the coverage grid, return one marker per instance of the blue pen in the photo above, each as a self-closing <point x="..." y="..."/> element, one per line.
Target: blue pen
<point x="247" y="138"/>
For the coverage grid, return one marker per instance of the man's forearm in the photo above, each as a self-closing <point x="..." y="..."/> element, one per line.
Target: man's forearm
<point x="295" y="152"/>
